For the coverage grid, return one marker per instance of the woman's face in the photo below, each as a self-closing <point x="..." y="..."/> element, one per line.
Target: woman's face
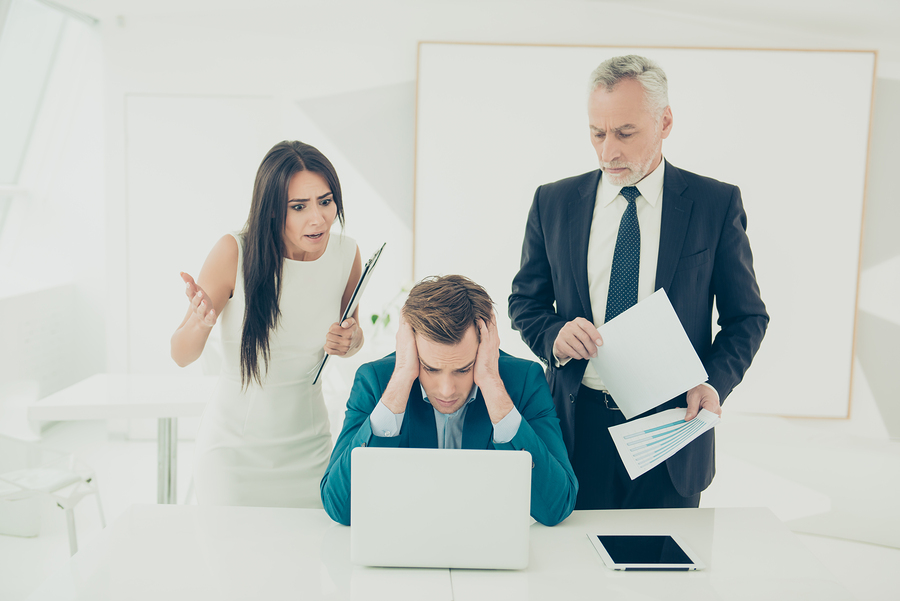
<point x="310" y="212"/>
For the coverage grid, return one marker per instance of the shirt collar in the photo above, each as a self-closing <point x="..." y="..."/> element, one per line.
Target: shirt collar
<point x="472" y="394"/>
<point x="649" y="187"/>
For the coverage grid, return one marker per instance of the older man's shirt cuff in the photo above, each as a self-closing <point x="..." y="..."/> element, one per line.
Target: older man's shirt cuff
<point x="384" y="422"/>
<point x="711" y="387"/>
<point x="507" y="428"/>
<point x="557" y="363"/>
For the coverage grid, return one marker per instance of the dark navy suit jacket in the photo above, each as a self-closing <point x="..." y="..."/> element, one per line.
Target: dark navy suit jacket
<point x="553" y="484"/>
<point x="704" y="254"/>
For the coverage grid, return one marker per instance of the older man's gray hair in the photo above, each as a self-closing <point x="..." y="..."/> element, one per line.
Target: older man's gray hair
<point x="650" y="75"/>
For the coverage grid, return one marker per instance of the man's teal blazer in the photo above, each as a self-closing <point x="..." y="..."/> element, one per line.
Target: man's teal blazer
<point x="553" y="484"/>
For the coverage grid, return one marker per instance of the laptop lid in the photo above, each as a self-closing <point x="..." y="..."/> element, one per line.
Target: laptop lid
<point x="440" y="508"/>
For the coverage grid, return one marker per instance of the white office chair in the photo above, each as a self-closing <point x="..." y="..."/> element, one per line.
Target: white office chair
<point x="45" y="473"/>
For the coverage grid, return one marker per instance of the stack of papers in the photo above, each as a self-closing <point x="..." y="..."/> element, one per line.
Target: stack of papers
<point x="645" y="360"/>
<point x="645" y="443"/>
<point x="646" y="357"/>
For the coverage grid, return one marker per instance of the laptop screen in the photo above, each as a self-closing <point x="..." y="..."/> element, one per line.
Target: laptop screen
<point x="444" y="508"/>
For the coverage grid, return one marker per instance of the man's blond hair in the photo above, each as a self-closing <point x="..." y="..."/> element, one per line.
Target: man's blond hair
<point x="442" y="308"/>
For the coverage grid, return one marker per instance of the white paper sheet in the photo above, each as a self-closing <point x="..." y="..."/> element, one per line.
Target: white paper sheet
<point x="645" y="443"/>
<point x="646" y="357"/>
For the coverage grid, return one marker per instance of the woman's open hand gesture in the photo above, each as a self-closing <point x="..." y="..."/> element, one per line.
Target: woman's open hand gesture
<point x="202" y="308"/>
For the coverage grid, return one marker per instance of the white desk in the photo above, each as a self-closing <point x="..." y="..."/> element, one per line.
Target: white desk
<point x="190" y="552"/>
<point x="111" y="396"/>
<point x="750" y="555"/>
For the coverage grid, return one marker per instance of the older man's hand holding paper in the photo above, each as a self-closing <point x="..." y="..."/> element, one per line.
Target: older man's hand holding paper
<point x="645" y="443"/>
<point x="645" y="360"/>
<point x="646" y="357"/>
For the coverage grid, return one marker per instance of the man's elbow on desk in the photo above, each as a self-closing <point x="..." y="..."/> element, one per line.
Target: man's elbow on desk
<point x="552" y="511"/>
<point x="337" y="506"/>
<point x="553" y="491"/>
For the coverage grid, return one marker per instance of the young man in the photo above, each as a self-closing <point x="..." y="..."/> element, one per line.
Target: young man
<point x="449" y="386"/>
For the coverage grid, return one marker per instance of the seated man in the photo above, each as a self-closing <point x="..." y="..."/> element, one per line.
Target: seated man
<point x="449" y="386"/>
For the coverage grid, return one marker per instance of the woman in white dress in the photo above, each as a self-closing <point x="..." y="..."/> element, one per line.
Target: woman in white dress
<point x="277" y="289"/>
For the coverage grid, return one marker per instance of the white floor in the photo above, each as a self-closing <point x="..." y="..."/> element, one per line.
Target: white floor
<point x="806" y="471"/>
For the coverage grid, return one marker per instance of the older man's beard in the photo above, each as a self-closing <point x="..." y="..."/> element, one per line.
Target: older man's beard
<point x="634" y="174"/>
<point x="636" y="171"/>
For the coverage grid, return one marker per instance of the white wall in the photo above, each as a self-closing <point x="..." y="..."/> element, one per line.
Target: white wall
<point x="53" y="274"/>
<point x="305" y="52"/>
<point x="806" y="260"/>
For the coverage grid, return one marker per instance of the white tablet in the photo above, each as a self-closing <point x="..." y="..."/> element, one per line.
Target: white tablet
<point x="645" y="552"/>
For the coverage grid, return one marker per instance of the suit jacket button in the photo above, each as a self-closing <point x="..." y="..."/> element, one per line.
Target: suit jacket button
<point x="571" y="398"/>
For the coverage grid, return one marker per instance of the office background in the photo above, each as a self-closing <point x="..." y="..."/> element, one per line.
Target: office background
<point x="145" y="123"/>
<point x="153" y="120"/>
<point x="529" y="101"/>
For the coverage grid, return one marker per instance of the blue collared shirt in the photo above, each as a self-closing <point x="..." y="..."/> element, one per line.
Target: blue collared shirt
<point x="449" y="425"/>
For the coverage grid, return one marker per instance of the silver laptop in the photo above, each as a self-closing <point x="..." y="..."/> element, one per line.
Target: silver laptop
<point x="440" y="508"/>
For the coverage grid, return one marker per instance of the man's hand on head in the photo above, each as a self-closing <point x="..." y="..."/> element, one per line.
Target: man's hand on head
<point x="487" y="372"/>
<point x="406" y="370"/>
<point x="407" y="364"/>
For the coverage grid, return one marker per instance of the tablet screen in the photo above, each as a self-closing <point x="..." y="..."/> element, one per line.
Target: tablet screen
<point x="643" y="549"/>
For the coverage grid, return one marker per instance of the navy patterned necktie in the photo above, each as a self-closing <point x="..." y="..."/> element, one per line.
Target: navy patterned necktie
<point x="623" y="278"/>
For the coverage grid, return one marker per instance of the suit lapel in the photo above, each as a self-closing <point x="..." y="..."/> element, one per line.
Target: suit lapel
<point x="422" y="429"/>
<point x="477" y="429"/>
<point x="676" y="213"/>
<point x="580" y="215"/>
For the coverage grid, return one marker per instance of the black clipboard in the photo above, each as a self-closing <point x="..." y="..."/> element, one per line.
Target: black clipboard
<point x="354" y="299"/>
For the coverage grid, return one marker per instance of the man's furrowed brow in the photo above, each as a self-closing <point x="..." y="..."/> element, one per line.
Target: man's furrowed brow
<point x="621" y="128"/>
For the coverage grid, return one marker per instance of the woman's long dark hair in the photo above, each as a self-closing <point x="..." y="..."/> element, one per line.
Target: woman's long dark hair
<point x="264" y="247"/>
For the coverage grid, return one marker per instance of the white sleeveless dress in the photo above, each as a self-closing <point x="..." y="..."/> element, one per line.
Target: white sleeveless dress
<point x="269" y="445"/>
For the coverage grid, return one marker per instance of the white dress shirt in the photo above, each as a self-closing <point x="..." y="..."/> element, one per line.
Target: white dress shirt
<point x="608" y="209"/>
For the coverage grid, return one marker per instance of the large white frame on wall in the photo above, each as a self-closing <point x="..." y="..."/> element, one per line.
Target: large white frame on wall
<point x="789" y="127"/>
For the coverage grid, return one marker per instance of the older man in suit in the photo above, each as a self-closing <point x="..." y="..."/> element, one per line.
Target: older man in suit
<point x="597" y="243"/>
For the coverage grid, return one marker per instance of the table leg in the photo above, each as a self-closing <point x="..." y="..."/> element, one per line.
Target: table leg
<point x="167" y="456"/>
